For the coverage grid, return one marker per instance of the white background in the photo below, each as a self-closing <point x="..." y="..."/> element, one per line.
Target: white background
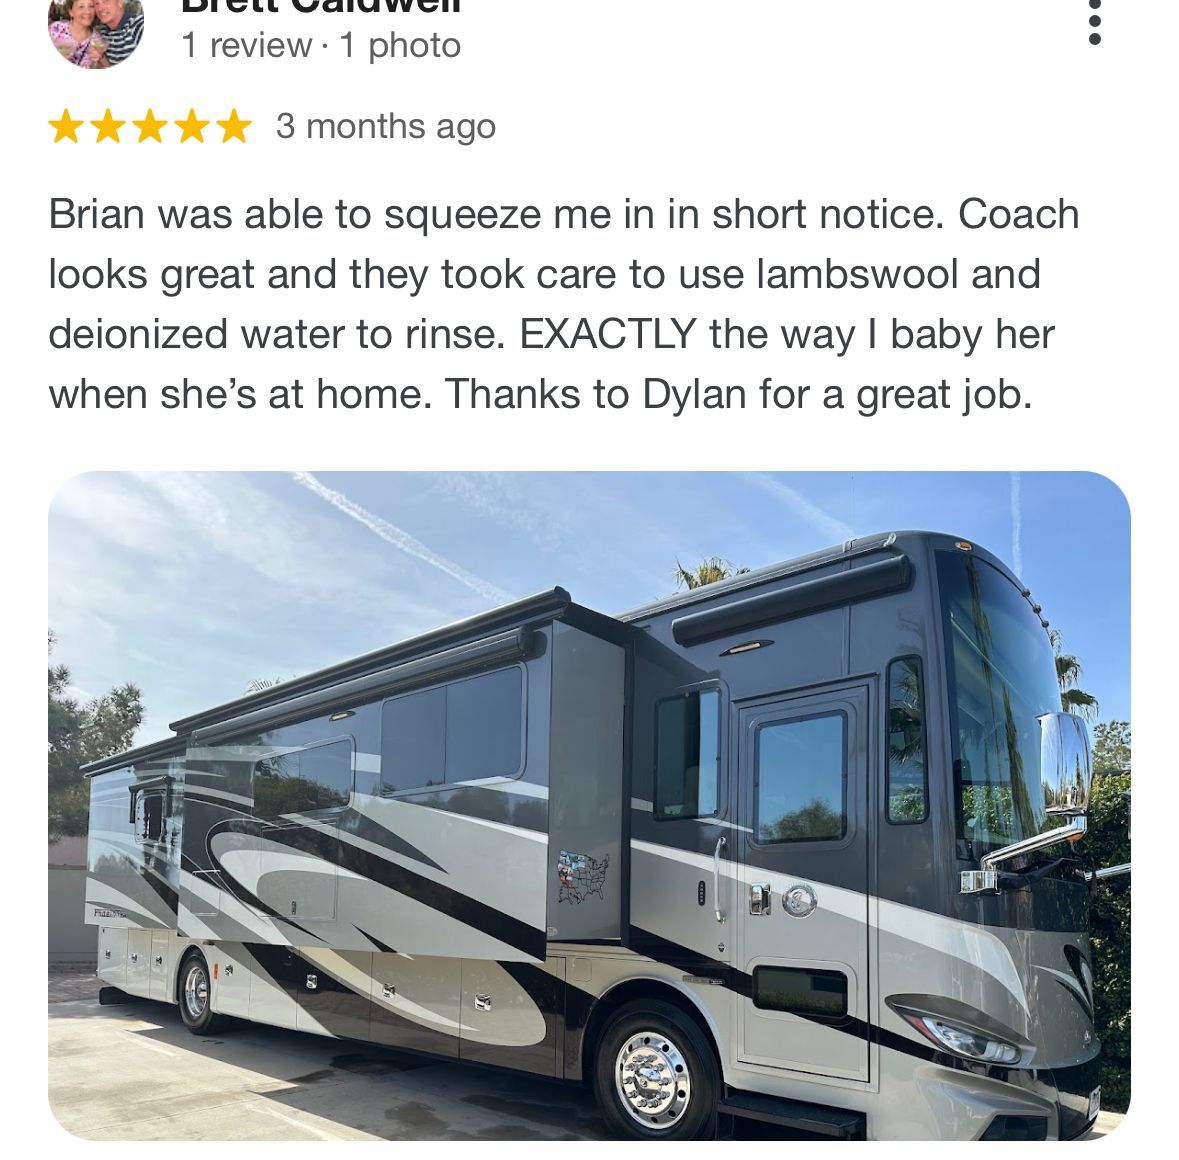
<point x="836" y="101"/>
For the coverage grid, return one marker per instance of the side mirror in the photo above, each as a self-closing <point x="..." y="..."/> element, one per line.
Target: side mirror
<point x="1066" y="767"/>
<point x="1066" y="775"/>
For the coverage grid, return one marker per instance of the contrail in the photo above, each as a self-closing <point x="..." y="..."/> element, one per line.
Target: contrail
<point x="399" y="539"/>
<point x="802" y="507"/>
<point x="1016" y="526"/>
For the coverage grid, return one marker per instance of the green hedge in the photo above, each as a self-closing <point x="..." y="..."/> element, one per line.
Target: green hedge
<point x="1108" y="843"/>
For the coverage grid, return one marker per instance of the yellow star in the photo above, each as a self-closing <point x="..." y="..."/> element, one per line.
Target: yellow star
<point x="108" y="127"/>
<point x="192" y="126"/>
<point x="67" y="127"/>
<point x="149" y="127"/>
<point x="234" y="126"/>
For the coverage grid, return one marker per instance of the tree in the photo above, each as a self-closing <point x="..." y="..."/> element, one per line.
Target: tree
<point x="1111" y="747"/>
<point x="1107" y="843"/>
<point x="1073" y="699"/>
<point x="260" y="684"/>
<point x="706" y="572"/>
<point x="816" y="819"/>
<point x="79" y="734"/>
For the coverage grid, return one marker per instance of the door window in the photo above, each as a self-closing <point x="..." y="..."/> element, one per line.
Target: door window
<point x="802" y="779"/>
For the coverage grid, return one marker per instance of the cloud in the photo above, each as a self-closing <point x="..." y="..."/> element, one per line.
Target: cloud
<point x="401" y="540"/>
<point x="165" y="532"/>
<point x="498" y="496"/>
<point x="834" y="529"/>
<point x="1016" y="525"/>
<point x="192" y="585"/>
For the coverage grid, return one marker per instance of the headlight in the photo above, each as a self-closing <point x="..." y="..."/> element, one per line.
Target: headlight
<point x="963" y="1041"/>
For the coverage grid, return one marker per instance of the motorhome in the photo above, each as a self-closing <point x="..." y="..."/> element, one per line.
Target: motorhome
<point x="804" y="845"/>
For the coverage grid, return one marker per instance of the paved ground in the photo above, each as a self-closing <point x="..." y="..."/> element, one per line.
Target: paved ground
<point x="1106" y="1123"/>
<point x="132" y="1072"/>
<point x="69" y="982"/>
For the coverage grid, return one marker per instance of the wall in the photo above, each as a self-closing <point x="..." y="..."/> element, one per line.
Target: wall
<point x="70" y="940"/>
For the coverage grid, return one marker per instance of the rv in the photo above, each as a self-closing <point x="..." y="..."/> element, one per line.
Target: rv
<point x="805" y="845"/>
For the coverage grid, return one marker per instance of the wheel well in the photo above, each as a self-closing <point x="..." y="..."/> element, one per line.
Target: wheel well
<point x="185" y="955"/>
<point x="636" y="990"/>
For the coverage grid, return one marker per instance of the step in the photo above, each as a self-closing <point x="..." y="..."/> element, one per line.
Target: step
<point x="798" y="1114"/>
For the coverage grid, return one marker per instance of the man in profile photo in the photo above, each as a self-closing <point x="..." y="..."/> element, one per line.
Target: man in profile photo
<point x="120" y="29"/>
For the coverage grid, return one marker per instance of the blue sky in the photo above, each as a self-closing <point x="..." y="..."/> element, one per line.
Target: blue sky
<point x="193" y="585"/>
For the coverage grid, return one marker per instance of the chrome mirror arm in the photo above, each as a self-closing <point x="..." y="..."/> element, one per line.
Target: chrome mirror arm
<point x="986" y="879"/>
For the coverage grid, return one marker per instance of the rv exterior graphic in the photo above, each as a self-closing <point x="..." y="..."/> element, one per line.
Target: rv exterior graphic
<point x="793" y="845"/>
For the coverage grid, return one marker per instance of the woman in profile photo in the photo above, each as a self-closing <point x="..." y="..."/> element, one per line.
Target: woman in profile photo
<point x="75" y="36"/>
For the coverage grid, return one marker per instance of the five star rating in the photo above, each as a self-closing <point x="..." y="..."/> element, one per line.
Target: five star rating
<point x="150" y="128"/>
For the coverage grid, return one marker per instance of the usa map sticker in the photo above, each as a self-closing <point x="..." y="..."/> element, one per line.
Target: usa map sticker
<point x="580" y="876"/>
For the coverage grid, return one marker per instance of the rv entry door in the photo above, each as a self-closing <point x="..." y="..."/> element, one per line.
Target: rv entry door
<point x="801" y="913"/>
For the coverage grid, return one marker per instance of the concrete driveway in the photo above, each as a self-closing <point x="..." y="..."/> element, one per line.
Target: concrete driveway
<point x="132" y="1072"/>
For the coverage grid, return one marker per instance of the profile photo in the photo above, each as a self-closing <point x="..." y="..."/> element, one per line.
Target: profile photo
<point x="95" y="34"/>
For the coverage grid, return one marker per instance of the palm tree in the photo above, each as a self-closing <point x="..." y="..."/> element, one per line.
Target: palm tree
<point x="259" y="684"/>
<point x="706" y="572"/>
<point x="1068" y="672"/>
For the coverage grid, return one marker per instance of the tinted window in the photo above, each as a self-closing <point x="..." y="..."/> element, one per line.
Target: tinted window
<point x="1002" y="680"/>
<point x="304" y="780"/>
<point x="687" y="746"/>
<point x="413" y="741"/>
<point x="906" y="742"/>
<point x="802" y="779"/>
<point x="483" y="725"/>
<point x="813" y="993"/>
<point x="464" y="731"/>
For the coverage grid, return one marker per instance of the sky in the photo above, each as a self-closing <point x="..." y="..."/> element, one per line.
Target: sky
<point x="193" y="585"/>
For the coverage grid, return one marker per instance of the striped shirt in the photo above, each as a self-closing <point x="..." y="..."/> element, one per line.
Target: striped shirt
<point x="122" y="41"/>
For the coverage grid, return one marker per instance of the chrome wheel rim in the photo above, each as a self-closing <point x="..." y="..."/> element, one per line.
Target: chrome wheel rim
<point x="652" y="1080"/>
<point x="196" y="991"/>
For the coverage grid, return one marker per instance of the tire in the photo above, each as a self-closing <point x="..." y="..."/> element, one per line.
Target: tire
<point x="655" y="1075"/>
<point x="195" y="993"/>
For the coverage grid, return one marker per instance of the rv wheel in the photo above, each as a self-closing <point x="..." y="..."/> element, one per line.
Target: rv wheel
<point x="196" y="998"/>
<point x="655" y="1075"/>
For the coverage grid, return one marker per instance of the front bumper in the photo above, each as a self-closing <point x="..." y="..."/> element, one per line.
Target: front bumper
<point x="1074" y="1085"/>
<point x="964" y="1103"/>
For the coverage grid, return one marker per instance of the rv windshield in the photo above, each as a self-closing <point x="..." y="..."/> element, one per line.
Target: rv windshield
<point x="1002" y="678"/>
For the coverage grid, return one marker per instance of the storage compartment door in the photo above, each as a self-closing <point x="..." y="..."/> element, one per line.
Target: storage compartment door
<point x="112" y="955"/>
<point x="231" y="979"/>
<point x="415" y="1002"/>
<point x="513" y="1014"/>
<point x="163" y="944"/>
<point x="138" y="963"/>
<point x="333" y="993"/>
